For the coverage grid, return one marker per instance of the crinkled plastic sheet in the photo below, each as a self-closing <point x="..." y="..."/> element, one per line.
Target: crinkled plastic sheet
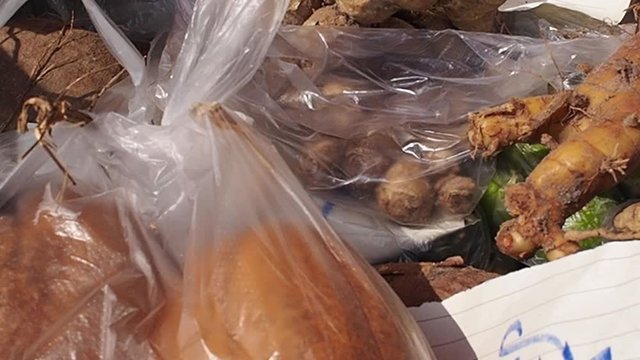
<point x="216" y="191"/>
<point x="82" y="277"/>
<point x="261" y="258"/>
<point x="224" y="44"/>
<point x="12" y="146"/>
<point x="114" y="152"/>
<point x="411" y="75"/>
<point x="397" y="81"/>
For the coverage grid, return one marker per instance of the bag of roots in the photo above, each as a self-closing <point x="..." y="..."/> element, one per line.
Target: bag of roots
<point x="375" y="120"/>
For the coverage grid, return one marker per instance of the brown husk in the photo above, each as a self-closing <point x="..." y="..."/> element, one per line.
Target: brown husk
<point x="418" y="283"/>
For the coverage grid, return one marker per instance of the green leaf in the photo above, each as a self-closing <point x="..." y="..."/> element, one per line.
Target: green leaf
<point x="492" y="202"/>
<point x="591" y="216"/>
<point x="522" y="158"/>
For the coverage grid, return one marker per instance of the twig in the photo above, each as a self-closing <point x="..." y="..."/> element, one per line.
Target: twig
<point x="553" y="60"/>
<point x="47" y="116"/>
<point x="109" y="84"/>
<point x="581" y="235"/>
<point x="74" y="82"/>
<point x="59" y="164"/>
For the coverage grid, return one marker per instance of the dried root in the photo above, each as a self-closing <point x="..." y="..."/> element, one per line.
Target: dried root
<point x="598" y="142"/>
<point x="317" y="162"/>
<point x="366" y="160"/>
<point x="522" y="120"/>
<point x="625" y="226"/>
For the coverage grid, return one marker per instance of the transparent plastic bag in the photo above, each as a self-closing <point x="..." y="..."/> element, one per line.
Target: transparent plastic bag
<point x="8" y="8"/>
<point x="376" y="118"/>
<point x="12" y="146"/>
<point x="113" y="152"/>
<point x="152" y="163"/>
<point x="379" y="240"/>
<point x="224" y="44"/>
<point x="265" y="276"/>
<point x="81" y="275"/>
<point x="176" y="171"/>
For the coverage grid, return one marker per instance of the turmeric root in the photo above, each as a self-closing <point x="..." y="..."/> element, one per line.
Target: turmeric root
<point x="560" y="115"/>
<point x="526" y="120"/>
<point x="588" y="159"/>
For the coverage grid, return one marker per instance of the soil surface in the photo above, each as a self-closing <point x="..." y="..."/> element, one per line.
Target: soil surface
<point x="37" y="60"/>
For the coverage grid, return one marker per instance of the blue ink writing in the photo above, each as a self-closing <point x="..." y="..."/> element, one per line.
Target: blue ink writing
<point x="604" y="355"/>
<point x="552" y="340"/>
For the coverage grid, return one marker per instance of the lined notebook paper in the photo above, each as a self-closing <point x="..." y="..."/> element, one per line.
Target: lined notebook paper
<point x="586" y="306"/>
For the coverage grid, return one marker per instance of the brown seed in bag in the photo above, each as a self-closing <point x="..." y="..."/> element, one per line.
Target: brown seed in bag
<point x="281" y="289"/>
<point x="69" y="287"/>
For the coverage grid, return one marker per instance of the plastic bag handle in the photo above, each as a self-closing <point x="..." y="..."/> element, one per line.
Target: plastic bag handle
<point x="8" y="8"/>
<point x="119" y="45"/>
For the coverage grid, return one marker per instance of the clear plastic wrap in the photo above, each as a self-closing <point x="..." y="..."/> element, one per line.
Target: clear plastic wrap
<point x="8" y="8"/>
<point x="257" y="247"/>
<point x="224" y="44"/>
<point x="81" y="276"/>
<point x="76" y="282"/>
<point x="118" y="43"/>
<point x="12" y="146"/>
<point x="265" y="276"/>
<point x="376" y="118"/>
